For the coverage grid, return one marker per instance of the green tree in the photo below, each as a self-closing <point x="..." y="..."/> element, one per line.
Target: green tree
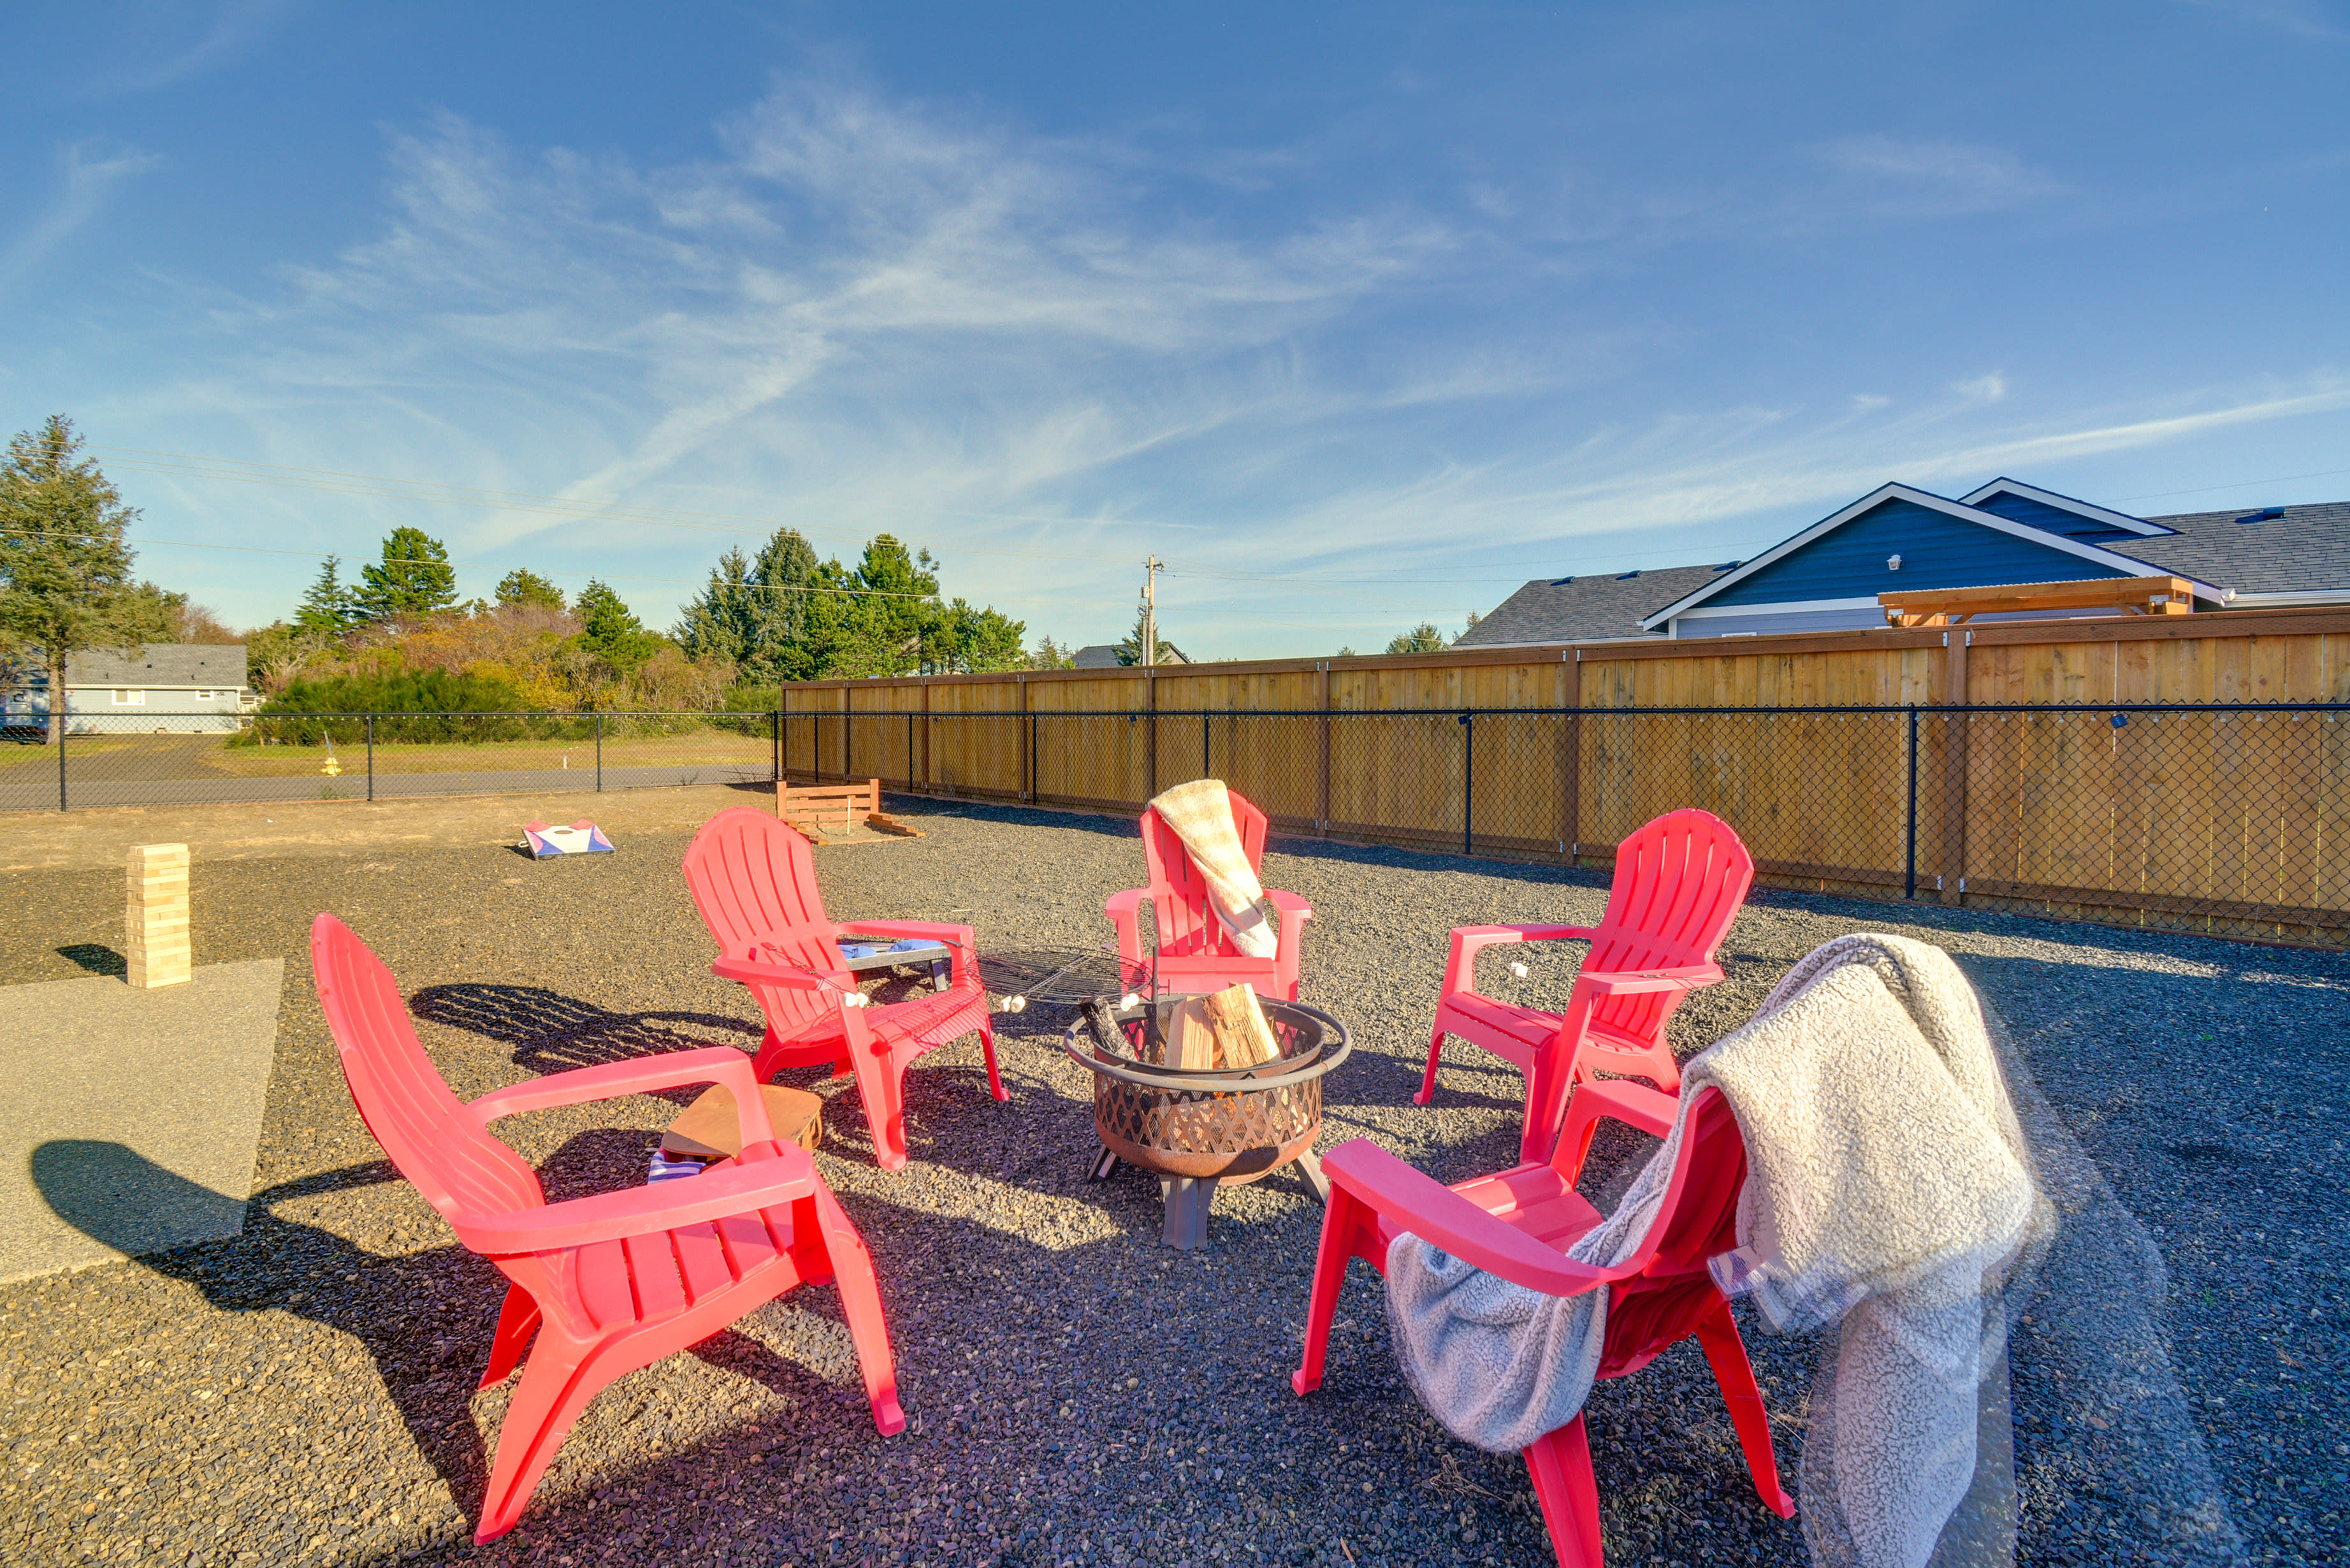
<point x="755" y="611"/>
<point x="64" y="565"/>
<point x="967" y="642"/>
<point x="1130" y="651"/>
<point x="1421" y="639"/>
<point x="524" y="587"/>
<point x="326" y="611"/>
<point x="1051" y="655"/>
<point x="610" y="630"/>
<point x="413" y="578"/>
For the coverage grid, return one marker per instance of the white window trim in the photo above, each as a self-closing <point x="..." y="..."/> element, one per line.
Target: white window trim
<point x="129" y="699"/>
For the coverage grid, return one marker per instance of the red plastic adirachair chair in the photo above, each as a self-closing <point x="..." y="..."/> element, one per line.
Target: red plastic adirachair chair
<point x="1518" y="1224"/>
<point x="1195" y="952"/>
<point x="598" y="1286"/>
<point x="754" y="882"/>
<point x="1679" y="882"/>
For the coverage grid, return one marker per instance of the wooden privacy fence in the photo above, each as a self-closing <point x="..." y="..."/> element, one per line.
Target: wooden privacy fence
<point x="2128" y="773"/>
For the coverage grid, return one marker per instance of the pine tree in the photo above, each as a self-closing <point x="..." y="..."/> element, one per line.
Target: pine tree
<point x="1421" y="639"/>
<point x="524" y="587"/>
<point x="64" y="565"/>
<point x="327" y="610"/>
<point x="610" y="629"/>
<point x="1130" y="651"/>
<point x="414" y="578"/>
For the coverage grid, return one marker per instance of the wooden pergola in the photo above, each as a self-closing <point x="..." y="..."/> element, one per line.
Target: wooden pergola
<point x="1953" y="607"/>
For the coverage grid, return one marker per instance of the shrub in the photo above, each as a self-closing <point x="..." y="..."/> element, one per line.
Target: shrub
<point x="424" y="706"/>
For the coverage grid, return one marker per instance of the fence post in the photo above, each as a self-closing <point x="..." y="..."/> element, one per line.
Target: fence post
<point x="1468" y="782"/>
<point x="1322" y="795"/>
<point x="1207" y="769"/>
<point x="776" y="725"/>
<point x="65" y="726"/>
<point x="370" y="743"/>
<point x="600" y="752"/>
<point x="1911" y="838"/>
<point x="1570" y="761"/>
<point x="1031" y="770"/>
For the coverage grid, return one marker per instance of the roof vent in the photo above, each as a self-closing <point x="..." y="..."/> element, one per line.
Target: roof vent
<point x="1729" y="565"/>
<point x="2265" y="514"/>
<point x="1626" y="577"/>
<point x="1560" y="582"/>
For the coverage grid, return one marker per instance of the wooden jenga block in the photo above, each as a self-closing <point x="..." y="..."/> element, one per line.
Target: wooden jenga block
<point x="155" y="923"/>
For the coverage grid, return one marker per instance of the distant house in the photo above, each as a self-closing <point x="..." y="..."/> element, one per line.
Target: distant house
<point x="1103" y="656"/>
<point x="1899" y="538"/>
<point x="167" y="686"/>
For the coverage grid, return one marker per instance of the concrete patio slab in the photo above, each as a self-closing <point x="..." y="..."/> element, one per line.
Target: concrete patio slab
<point x="129" y="1118"/>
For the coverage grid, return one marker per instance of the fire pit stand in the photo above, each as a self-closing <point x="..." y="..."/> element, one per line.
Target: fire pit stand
<point x="1198" y="1128"/>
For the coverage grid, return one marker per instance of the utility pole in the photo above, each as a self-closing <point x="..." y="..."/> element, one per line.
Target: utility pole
<point x="1152" y="565"/>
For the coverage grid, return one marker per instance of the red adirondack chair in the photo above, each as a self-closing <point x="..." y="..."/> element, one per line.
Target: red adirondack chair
<point x="1518" y="1224"/>
<point x="1195" y="952"/>
<point x="603" y="1284"/>
<point x="1679" y="882"/>
<point x="754" y="882"/>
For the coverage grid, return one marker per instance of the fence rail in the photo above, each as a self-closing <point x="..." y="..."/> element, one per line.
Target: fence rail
<point x="2229" y="818"/>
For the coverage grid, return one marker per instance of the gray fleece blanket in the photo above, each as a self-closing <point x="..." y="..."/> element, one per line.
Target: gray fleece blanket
<point x="1886" y="1187"/>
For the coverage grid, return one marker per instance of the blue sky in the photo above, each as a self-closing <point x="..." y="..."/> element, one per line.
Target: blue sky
<point x="1355" y="315"/>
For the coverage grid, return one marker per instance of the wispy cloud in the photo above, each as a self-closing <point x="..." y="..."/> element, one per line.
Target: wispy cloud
<point x="2295" y="18"/>
<point x="1934" y="178"/>
<point x="236" y="26"/>
<point x="90" y="174"/>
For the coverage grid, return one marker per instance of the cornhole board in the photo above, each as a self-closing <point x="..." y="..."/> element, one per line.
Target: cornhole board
<point x="708" y="1128"/>
<point x="581" y="837"/>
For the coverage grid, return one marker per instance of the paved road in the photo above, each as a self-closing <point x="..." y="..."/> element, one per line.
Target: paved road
<point x="36" y="789"/>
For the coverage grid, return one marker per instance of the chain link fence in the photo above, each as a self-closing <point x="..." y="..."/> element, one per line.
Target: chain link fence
<point x="172" y="759"/>
<point x="2232" y="819"/>
<point x="2228" y="818"/>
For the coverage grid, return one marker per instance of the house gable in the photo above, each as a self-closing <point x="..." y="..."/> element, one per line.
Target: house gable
<point x="2052" y="514"/>
<point x="1936" y="551"/>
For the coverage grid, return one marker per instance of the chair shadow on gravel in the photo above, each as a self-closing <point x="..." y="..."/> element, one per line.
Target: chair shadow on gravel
<point x="552" y="1032"/>
<point x="424" y="1316"/>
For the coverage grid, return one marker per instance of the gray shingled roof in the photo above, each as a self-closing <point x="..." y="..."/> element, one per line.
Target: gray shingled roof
<point x="1103" y="656"/>
<point x="198" y="664"/>
<point x="2307" y="550"/>
<point x="1586" y="610"/>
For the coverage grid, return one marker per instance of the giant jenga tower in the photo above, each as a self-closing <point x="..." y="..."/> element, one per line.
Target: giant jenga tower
<point x="157" y="921"/>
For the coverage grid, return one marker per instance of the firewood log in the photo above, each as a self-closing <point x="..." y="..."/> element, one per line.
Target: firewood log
<point x="1191" y="1036"/>
<point x="1242" y="1035"/>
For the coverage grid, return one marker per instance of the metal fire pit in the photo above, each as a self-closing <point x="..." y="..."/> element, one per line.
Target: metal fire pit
<point x="1196" y="1128"/>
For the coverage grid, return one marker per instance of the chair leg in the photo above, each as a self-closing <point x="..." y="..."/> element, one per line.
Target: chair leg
<point x="880" y="1084"/>
<point x="860" y="1303"/>
<point x="1550" y="1087"/>
<point x="1428" y="1079"/>
<point x="1339" y="1217"/>
<point x="555" y="1388"/>
<point x="517" y="1321"/>
<point x="1560" y="1464"/>
<point x="987" y="1050"/>
<point x="1718" y="1333"/>
<point x="1575" y="1138"/>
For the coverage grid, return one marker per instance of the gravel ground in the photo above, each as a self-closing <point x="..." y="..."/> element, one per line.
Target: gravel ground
<point x="1076" y="1393"/>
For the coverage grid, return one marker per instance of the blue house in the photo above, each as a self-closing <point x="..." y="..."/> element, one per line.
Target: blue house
<point x="1899" y="538"/>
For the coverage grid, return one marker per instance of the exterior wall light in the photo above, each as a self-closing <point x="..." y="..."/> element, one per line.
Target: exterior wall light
<point x="1892" y="563"/>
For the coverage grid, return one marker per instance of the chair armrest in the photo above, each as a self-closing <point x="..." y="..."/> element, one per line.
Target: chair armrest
<point x="839" y="982"/>
<point x="1418" y="1203"/>
<point x="1289" y="903"/>
<point x="961" y="941"/>
<point x="720" y="1064"/>
<point x="757" y="1183"/>
<point x="1123" y="910"/>
<point x="1635" y="1104"/>
<point x="1467" y="941"/>
<point x="1632" y="983"/>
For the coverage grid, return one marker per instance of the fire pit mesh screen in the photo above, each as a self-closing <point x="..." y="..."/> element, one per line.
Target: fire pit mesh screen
<point x="1216" y="1123"/>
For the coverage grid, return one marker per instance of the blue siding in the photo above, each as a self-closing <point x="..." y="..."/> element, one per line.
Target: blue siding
<point x="1936" y="551"/>
<point x="2052" y="519"/>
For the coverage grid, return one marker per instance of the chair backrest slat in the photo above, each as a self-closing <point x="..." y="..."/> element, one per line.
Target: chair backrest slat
<point x="1181" y="905"/>
<point x="425" y="1129"/>
<point x="1679" y="882"/>
<point x="753" y="880"/>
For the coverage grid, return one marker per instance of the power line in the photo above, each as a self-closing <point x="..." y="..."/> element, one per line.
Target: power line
<point x="2207" y="489"/>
